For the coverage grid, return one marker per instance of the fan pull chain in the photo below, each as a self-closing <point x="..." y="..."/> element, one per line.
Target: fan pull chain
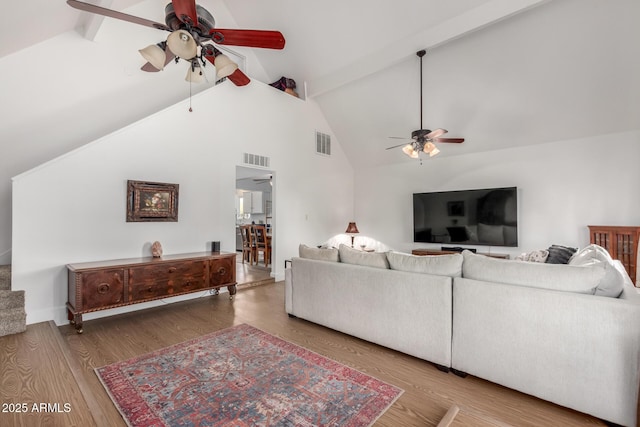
<point x="190" y="84"/>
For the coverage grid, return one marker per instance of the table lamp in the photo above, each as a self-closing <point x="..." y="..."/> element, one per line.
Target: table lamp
<point x="352" y="229"/>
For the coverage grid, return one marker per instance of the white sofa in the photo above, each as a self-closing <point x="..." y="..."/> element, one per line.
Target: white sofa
<point x="405" y="311"/>
<point x="538" y="328"/>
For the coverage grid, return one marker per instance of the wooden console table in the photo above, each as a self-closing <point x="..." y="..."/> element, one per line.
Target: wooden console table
<point x="427" y="251"/>
<point x="101" y="285"/>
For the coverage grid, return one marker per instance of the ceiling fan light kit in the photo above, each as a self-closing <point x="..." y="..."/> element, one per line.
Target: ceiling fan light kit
<point x="423" y="139"/>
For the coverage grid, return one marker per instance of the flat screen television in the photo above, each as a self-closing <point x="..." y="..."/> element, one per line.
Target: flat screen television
<point x="486" y="217"/>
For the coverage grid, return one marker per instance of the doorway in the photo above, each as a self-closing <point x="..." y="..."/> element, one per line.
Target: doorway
<point x="254" y="203"/>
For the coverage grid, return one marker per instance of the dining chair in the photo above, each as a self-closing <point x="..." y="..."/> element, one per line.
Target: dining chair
<point x="262" y="244"/>
<point x="248" y="244"/>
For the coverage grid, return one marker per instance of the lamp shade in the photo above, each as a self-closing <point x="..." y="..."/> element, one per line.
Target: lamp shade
<point x="155" y="55"/>
<point x="409" y="151"/>
<point x="224" y="66"/>
<point x="352" y="228"/>
<point x="194" y="73"/>
<point x="431" y="149"/>
<point x="182" y="44"/>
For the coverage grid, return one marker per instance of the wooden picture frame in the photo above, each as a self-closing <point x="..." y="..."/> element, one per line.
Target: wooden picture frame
<point x="152" y="201"/>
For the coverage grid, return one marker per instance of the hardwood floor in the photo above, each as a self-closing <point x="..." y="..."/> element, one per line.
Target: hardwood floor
<point x="49" y="364"/>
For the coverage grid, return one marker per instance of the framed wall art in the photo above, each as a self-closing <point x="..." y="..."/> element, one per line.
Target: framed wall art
<point x="152" y="201"/>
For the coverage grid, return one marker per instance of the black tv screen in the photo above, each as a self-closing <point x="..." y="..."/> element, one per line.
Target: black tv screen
<point x="486" y="217"/>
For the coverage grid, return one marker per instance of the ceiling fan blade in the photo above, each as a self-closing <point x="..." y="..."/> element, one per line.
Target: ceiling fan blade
<point x="265" y="39"/>
<point x="398" y="137"/>
<point x="239" y="78"/>
<point x="436" y="133"/>
<point x="186" y="11"/>
<point x="451" y="140"/>
<point x="169" y="56"/>
<point x="396" y="146"/>
<point x="86" y="7"/>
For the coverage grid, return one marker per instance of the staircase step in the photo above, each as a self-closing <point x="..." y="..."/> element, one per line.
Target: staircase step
<point x="5" y="277"/>
<point x="12" y="321"/>
<point x="11" y="299"/>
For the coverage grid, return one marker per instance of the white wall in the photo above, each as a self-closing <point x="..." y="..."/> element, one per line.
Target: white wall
<point x="563" y="186"/>
<point x="72" y="209"/>
<point x="66" y="91"/>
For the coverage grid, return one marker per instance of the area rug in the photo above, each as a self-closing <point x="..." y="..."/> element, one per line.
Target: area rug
<point x="242" y="376"/>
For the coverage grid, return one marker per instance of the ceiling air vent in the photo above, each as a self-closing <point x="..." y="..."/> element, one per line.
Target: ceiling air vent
<point x="255" y="160"/>
<point x="323" y="143"/>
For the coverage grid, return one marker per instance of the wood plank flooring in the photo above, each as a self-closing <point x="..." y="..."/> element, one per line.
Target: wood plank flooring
<point x="49" y="364"/>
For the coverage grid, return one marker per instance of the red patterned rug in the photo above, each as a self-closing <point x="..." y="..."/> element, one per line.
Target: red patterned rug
<point x="242" y="376"/>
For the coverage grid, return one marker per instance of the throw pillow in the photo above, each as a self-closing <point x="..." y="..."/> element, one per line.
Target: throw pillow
<point x="560" y="254"/>
<point x="440" y="265"/>
<point x="318" y="254"/>
<point x="612" y="283"/>
<point x="589" y="253"/>
<point x="579" y="279"/>
<point x="349" y="255"/>
<point x="534" y="256"/>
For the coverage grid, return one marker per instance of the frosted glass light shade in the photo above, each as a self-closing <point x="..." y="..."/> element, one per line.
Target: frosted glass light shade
<point x="182" y="44"/>
<point x="409" y="151"/>
<point x="431" y="149"/>
<point x="154" y="55"/>
<point x="194" y="75"/>
<point x="224" y="66"/>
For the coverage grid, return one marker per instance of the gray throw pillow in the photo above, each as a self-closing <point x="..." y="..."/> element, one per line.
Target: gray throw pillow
<point x="560" y="254"/>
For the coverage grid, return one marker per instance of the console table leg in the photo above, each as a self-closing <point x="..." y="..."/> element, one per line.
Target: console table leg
<point x="232" y="291"/>
<point x="77" y="322"/>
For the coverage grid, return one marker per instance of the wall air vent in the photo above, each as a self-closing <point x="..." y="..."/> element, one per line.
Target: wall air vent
<point x="255" y="160"/>
<point x="323" y="143"/>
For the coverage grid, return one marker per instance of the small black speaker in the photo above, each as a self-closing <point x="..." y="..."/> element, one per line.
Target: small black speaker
<point x="215" y="246"/>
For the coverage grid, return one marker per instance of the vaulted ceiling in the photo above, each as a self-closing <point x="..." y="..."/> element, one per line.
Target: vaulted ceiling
<point x="497" y="72"/>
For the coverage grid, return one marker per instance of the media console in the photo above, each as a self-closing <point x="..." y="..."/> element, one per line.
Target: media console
<point x="101" y="285"/>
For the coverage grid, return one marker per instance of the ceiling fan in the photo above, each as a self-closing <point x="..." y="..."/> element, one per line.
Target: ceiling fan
<point x="422" y="140"/>
<point x="268" y="180"/>
<point x="192" y="38"/>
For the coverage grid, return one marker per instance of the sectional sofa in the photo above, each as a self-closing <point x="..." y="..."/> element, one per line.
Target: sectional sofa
<point x="569" y="334"/>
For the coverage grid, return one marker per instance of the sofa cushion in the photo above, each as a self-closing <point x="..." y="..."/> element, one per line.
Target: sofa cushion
<point x="579" y="279"/>
<point x="370" y="259"/>
<point x="440" y="265"/>
<point x="612" y="283"/>
<point x="318" y="254"/>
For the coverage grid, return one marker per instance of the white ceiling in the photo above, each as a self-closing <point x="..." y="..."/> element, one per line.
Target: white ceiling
<point x="357" y="60"/>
